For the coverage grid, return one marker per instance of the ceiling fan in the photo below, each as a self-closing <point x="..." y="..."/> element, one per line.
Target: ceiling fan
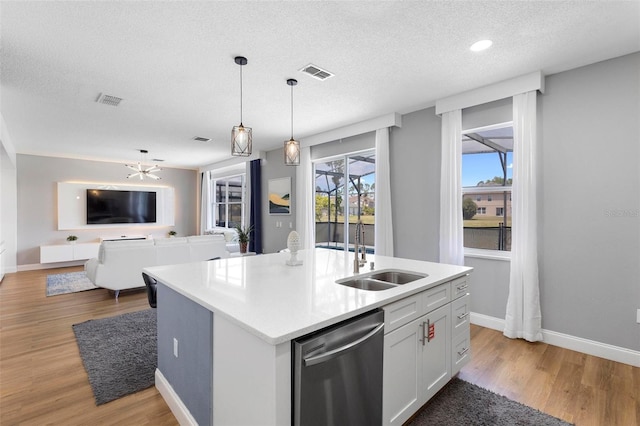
<point x="141" y="171"/>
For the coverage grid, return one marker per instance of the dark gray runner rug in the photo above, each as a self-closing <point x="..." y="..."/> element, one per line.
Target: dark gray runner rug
<point x="461" y="403"/>
<point x="119" y="353"/>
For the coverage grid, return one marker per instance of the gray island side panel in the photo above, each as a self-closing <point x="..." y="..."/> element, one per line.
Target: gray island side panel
<point x="191" y="373"/>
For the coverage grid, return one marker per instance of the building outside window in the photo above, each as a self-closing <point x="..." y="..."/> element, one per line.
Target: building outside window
<point x="487" y="159"/>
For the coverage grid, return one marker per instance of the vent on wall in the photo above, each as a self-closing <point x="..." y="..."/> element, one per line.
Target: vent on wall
<point x="201" y="139"/>
<point x="317" y="72"/>
<point x="108" y="100"/>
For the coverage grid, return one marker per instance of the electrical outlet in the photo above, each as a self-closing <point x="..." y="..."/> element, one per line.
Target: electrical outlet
<point x="638" y="316"/>
<point x="175" y="347"/>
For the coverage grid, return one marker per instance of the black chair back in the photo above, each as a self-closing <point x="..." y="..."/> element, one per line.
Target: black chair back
<point x="151" y="284"/>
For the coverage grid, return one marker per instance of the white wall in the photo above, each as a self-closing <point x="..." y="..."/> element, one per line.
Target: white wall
<point x="37" y="180"/>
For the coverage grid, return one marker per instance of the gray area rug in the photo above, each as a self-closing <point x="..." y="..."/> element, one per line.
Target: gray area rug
<point x="119" y="353"/>
<point x="462" y="403"/>
<point x="69" y="282"/>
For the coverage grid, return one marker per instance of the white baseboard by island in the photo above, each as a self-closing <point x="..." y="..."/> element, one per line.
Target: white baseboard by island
<point x="589" y="347"/>
<point x="174" y="402"/>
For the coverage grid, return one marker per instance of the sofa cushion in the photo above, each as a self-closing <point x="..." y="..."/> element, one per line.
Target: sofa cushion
<point x="172" y="250"/>
<point x="106" y="245"/>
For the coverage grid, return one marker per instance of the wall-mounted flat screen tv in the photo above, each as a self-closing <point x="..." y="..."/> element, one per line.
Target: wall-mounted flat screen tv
<point x="111" y="206"/>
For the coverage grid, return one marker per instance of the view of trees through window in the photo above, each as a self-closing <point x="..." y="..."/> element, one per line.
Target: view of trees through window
<point x="333" y="205"/>
<point x="487" y="163"/>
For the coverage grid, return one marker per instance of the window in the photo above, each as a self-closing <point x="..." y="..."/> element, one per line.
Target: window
<point x="356" y="173"/>
<point x="228" y="201"/>
<point x="487" y="158"/>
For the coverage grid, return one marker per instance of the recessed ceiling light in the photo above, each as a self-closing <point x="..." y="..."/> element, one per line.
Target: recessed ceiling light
<point x="481" y="45"/>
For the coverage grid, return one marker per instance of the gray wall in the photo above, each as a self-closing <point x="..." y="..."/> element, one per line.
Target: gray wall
<point x="414" y="155"/>
<point x="191" y="373"/>
<point x="590" y="273"/>
<point x="274" y="239"/>
<point x="37" y="179"/>
<point x="589" y="201"/>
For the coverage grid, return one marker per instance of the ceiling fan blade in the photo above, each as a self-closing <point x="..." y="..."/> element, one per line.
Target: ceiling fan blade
<point x="134" y="168"/>
<point x="153" y="169"/>
<point x="154" y="176"/>
<point x="132" y="175"/>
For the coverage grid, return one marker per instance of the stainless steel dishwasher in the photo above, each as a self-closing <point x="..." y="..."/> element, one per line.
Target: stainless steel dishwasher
<point x="337" y="374"/>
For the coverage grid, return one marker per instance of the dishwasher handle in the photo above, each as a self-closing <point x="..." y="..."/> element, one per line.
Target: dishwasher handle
<point x="338" y="351"/>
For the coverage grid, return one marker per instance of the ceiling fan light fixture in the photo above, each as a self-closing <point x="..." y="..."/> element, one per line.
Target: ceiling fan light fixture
<point x="292" y="146"/>
<point x="140" y="171"/>
<point x="241" y="137"/>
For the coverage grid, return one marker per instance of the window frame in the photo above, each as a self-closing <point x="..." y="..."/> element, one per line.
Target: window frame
<point x="214" y="203"/>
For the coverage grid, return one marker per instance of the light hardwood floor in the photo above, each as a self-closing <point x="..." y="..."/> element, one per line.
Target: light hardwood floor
<point x="42" y="380"/>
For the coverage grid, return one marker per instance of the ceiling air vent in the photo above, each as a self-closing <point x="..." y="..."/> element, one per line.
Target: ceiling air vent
<point x="201" y="139"/>
<point x="108" y="100"/>
<point x="316" y="72"/>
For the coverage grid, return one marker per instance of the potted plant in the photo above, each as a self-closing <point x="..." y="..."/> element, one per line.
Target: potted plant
<point x="72" y="239"/>
<point x="172" y="234"/>
<point x="243" y="236"/>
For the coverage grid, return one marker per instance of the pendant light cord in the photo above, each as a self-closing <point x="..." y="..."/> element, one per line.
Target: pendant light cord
<point x="241" y="95"/>
<point x="291" y="111"/>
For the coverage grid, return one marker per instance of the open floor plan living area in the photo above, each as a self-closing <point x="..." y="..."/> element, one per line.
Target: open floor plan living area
<point x="263" y="213"/>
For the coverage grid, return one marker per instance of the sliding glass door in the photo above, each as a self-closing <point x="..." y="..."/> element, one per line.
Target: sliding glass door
<point x="344" y="196"/>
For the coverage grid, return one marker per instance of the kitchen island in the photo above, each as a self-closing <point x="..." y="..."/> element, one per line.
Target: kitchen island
<point x="225" y="327"/>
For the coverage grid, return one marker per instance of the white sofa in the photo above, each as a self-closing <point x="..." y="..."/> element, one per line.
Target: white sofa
<point x="119" y="263"/>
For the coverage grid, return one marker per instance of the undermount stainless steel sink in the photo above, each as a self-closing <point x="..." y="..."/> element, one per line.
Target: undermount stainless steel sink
<point x="381" y="280"/>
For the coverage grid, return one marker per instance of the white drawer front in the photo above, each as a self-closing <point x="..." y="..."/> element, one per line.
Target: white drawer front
<point x="401" y="312"/>
<point x="461" y="311"/>
<point x="436" y="297"/>
<point x="461" y="352"/>
<point x="459" y="287"/>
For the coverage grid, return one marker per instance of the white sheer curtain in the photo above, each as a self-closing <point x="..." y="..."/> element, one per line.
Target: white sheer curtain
<point x="384" y="222"/>
<point x="523" y="318"/>
<point x="305" y="191"/>
<point x="205" y="214"/>
<point x="451" y="243"/>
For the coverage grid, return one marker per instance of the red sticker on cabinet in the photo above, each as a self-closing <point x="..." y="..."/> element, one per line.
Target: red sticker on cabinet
<point x="432" y="331"/>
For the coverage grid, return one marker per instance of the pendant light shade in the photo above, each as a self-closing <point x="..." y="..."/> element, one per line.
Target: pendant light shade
<point x="292" y="146"/>
<point x="240" y="135"/>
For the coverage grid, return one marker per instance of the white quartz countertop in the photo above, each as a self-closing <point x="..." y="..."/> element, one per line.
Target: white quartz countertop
<point x="278" y="303"/>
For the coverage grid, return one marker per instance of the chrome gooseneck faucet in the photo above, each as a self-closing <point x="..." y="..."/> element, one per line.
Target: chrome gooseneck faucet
<point x="359" y="242"/>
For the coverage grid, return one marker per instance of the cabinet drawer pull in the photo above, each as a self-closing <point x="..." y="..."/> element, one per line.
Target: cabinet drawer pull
<point x="463" y="351"/>
<point x="462" y="287"/>
<point x="462" y="316"/>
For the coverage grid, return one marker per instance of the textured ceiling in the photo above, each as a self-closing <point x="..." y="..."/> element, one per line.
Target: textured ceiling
<point x="172" y="63"/>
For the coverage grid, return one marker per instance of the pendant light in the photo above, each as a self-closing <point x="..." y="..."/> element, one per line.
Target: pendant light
<point x="240" y="135"/>
<point x="140" y="171"/>
<point x="292" y="146"/>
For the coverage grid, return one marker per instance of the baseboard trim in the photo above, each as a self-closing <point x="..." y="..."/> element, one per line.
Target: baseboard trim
<point x="578" y="344"/>
<point x="174" y="402"/>
<point x="38" y="266"/>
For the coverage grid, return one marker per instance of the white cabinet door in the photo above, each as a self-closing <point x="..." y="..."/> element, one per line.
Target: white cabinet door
<point x="85" y="251"/>
<point x="401" y="373"/>
<point x="436" y="352"/>
<point x="56" y="253"/>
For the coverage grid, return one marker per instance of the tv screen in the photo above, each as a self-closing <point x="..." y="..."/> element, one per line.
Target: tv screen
<point x="110" y="206"/>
